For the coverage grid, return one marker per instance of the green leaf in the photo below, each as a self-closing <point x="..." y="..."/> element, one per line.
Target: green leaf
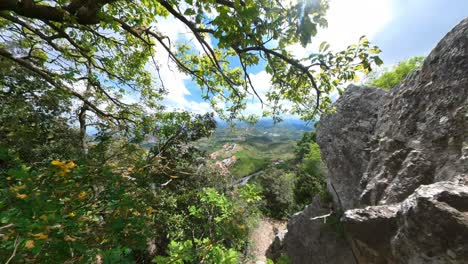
<point x="189" y="12"/>
<point x="324" y="46"/>
<point x="375" y="50"/>
<point x="308" y="30"/>
<point x="377" y="60"/>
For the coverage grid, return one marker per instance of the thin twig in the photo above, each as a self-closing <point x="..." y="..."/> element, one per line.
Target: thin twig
<point x="166" y="183"/>
<point x="14" y="250"/>
<point x="7" y="226"/>
<point x="322" y="216"/>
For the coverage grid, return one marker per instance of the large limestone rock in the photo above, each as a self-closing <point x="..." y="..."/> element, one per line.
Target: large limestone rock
<point x="421" y="134"/>
<point x="343" y="140"/>
<point x="310" y="240"/>
<point x="430" y="226"/>
<point x="398" y="166"/>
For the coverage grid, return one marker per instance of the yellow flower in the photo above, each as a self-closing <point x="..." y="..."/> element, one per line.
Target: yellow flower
<point x="21" y="196"/>
<point x="57" y="163"/>
<point x="43" y="217"/>
<point x="82" y="195"/>
<point x="242" y="227"/>
<point x="29" y="244"/>
<point x="41" y="236"/>
<point x="63" y="167"/>
<point x="72" y="214"/>
<point x="70" y="165"/>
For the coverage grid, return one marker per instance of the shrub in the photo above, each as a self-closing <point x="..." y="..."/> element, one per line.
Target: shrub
<point x="200" y="251"/>
<point x="219" y="226"/>
<point x="391" y="77"/>
<point x="67" y="213"/>
<point x="310" y="179"/>
<point x="278" y="190"/>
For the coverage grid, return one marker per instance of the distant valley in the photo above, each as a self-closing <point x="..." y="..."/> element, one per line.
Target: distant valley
<point x="245" y="149"/>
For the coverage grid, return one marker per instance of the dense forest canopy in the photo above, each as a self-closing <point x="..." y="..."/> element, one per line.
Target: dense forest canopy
<point x="67" y="65"/>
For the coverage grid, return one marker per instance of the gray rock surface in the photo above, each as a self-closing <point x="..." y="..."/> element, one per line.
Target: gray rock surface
<point x="421" y="133"/>
<point x="375" y="226"/>
<point x="344" y="137"/>
<point x="398" y="167"/>
<point x="311" y="240"/>
<point x="430" y="226"/>
<point x="433" y="225"/>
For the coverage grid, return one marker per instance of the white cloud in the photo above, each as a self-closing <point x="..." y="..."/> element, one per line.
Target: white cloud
<point x="175" y="30"/>
<point x="172" y="79"/>
<point x="261" y="82"/>
<point x="347" y="21"/>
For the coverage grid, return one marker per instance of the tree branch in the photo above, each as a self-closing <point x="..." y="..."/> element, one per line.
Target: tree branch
<point x="85" y="12"/>
<point x="206" y="47"/>
<point x="290" y="61"/>
<point x="51" y="78"/>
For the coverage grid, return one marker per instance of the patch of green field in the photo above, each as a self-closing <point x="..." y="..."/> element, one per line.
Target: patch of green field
<point x="249" y="160"/>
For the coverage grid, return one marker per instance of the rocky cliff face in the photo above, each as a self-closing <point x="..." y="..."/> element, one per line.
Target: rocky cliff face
<point x="311" y="239"/>
<point x="398" y="164"/>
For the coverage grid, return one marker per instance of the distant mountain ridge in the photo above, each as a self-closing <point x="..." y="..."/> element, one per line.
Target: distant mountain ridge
<point x="266" y="123"/>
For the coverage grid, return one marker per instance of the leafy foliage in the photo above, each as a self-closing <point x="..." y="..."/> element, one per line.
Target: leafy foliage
<point x="34" y="117"/>
<point x="311" y="177"/>
<point x="203" y="250"/>
<point x="390" y="78"/>
<point x="290" y="186"/>
<point x="303" y="145"/>
<point x="110" y="47"/>
<point x="225" y="219"/>
<point x="137" y="189"/>
<point x="64" y="213"/>
<point x="278" y="189"/>
<point x="63" y="204"/>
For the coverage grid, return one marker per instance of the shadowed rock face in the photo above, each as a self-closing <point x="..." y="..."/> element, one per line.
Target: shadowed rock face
<point x="310" y="240"/>
<point x="398" y="161"/>
<point x="430" y="226"/>
<point x="433" y="225"/>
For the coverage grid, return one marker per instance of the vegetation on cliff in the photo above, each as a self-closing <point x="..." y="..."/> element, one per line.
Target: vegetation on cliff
<point x="391" y="77"/>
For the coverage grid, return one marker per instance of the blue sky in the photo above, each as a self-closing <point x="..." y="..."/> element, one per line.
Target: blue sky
<point x="401" y="28"/>
<point x="417" y="26"/>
